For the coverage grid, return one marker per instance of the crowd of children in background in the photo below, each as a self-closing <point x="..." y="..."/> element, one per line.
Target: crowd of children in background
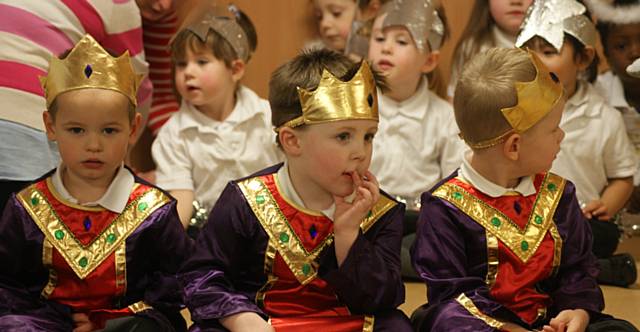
<point x="502" y="192"/>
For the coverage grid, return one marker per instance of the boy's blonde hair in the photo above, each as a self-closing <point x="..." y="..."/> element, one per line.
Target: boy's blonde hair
<point x="487" y="85"/>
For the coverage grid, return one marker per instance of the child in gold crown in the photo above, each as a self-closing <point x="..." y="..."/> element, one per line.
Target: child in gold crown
<point x="89" y="242"/>
<point x="312" y="242"/>
<point x="502" y="243"/>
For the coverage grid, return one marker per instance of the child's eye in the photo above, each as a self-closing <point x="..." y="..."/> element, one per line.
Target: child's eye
<point x="369" y="137"/>
<point x="402" y="42"/>
<point x="620" y="46"/>
<point x="110" y="131"/>
<point x="379" y="39"/>
<point x="202" y="62"/>
<point x="336" y="14"/>
<point x="343" y="136"/>
<point x="75" y="130"/>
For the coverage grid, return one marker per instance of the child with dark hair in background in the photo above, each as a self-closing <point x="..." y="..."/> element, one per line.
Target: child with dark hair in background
<point x="223" y="129"/>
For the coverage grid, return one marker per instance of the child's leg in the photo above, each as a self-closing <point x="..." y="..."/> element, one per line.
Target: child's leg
<point x="611" y="325"/>
<point x="393" y="320"/>
<point x="132" y="324"/>
<point x="32" y="323"/>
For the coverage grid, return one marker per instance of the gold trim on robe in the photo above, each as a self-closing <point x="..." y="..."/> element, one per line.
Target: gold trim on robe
<point x="557" y="248"/>
<point x="84" y="259"/>
<point x="492" y="259"/>
<point x="47" y="262"/>
<point x="301" y="262"/>
<point x="139" y="307"/>
<point x="522" y="242"/>
<point x="369" y="322"/>
<point x="466" y="302"/>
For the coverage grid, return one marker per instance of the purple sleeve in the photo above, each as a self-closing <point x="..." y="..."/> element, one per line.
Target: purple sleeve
<point x="224" y="262"/>
<point x="22" y="276"/>
<point x="369" y="279"/>
<point x="450" y="256"/>
<point x="169" y="246"/>
<point x="575" y="284"/>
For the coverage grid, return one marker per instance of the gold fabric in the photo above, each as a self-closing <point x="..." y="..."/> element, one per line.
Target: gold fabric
<point x="84" y="259"/>
<point x="301" y="262"/>
<point x="492" y="259"/>
<point x="557" y="248"/>
<point x="535" y="100"/>
<point x="522" y="242"/>
<point x="88" y="66"/>
<point x="139" y="307"/>
<point x="121" y="266"/>
<point x="335" y="100"/>
<point x="471" y="307"/>
<point x="47" y="262"/>
<point x="369" y="322"/>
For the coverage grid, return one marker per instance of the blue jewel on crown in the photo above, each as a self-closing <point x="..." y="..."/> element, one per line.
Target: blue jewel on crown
<point x="88" y="71"/>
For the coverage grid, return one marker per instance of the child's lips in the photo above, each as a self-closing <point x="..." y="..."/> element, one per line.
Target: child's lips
<point x="384" y="64"/>
<point x="92" y="163"/>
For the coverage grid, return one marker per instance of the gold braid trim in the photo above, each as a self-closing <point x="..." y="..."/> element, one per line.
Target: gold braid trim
<point x="84" y="259"/>
<point x="47" y="262"/>
<point x="301" y="262"/>
<point x="557" y="252"/>
<point x="523" y="242"/>
<point x="369" y="321"/>
<point x="139" y="307"/>
<point x="472" y="309"/>
<point x="492" y="259"/>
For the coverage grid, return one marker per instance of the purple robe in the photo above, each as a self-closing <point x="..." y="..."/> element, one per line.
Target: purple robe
<point x="451" y="255"/>
<point x="154" y="251"/>
<point x="227" y="270"/>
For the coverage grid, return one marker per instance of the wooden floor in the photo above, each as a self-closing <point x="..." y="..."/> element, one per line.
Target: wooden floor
<point x="623" y="303"/>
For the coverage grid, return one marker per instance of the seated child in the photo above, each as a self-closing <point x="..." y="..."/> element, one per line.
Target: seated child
<point x="619" y="32"/>
<point x="90" y="242"/>
<point x="223" y="129"/>
<point x="502" y="243"/>
<point x="596" y="154"/>
<point x="310" y="243"/>
<point x="417" y="143"/>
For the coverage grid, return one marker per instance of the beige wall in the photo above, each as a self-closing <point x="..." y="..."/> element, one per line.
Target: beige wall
<point x="284" y="25"/>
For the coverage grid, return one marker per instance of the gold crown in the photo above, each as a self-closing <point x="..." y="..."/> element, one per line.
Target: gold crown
<point x="535" y="100"/>
<point x="335" y="100"/>
<point x="87" y="66"/>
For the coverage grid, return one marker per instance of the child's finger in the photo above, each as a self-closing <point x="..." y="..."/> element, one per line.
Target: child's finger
<point x="357" y="180"/>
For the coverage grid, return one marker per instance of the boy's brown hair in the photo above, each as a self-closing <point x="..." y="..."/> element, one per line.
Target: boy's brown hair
<point x="305" y="71"/>
<point x="486" y="85"/>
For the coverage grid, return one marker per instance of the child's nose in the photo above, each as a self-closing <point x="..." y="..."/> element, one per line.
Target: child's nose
<point x="94" y="143"/>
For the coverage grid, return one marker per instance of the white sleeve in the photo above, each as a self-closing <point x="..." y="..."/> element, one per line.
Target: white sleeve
<point x="619" y="155"/>
<point x="173" y="163"/>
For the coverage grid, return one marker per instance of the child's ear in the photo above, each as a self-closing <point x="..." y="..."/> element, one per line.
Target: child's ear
<point x="370" y="11"/>
<point x="237" y="69"/>
<point x="47" y="118"/>
<point x="135" y="127"/>
<point x="431" y="61"/>
<point x="511" y="147"/>
<point x="585" y="58"/>
<point x="290" y="141"/>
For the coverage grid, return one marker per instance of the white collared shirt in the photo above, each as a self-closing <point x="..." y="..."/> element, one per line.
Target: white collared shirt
<point x="114" y="199"/>
<point x="595" y="147"/>
<point x="525" y="187"/>
<point x="417" y="143"/>
<point x="291" y="195"/>
<point x="195" y="152"/>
